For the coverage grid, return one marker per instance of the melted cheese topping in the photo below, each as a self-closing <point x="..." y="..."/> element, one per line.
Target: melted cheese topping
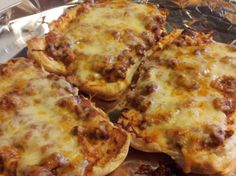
<point x="203" y="67"/>
<point x="180" y="116"/>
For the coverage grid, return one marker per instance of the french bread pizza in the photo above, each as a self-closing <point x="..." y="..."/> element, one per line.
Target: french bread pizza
<point x="46" y="129"/>
<point x="98" y="46"/>
<point x="183" y="104"/>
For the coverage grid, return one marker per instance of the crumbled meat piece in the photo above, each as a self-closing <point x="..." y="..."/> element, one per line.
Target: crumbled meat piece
<point x="214" y="141"/>
<point x="225" y="105"/>
<point x="138" y="101"/>
<point x="188" y="83"/>
<point x="9" y="159"/>
<point x="225" y="84"/>
<point x="37" y="171"/>
<point x="152" y="23"/>
<point x="169" y="63"/>
<point x="232" y="48"/>
<point x="140" y="49"/>
<point x="104" y="66"/>
<point x="61" y="85"/>
<point x="192" y="38"/>
<point x="229" y="133"/>
<point x="76" y="130"/>
<point x="131" y="38"/>
<point x="143" y="124"/>
<point x="158" y="33"/>
<point x="100" y="133"/>
<point x="10" y="101"/>
<point x="4" y="69"/>
<point x="216" y="137"/>
<point x="45" y="148"/>
<point x="54" y="161"/>
<point x="148" y="38"/>
<point x="67" y="102"/>
<point x="148" y="89"/>
<point x="160" y="117"/>
<point x="97" y="133"/>
<point x="116" y="34"/>
<point x="226" y="60"/>
<point x="59" y="48"/>
<point x="85" y="109"/>
<point x="118" y="70"/>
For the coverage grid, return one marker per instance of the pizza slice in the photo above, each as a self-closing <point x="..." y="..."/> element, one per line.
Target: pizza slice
<point x="183" y="104"/>
<point x="98" y="46"/>
<point x="47" y="130"/>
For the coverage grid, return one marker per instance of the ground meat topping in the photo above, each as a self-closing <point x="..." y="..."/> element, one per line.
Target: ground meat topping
<point x="85" y="109"/>
<point x="187" y="83"/>
<point x="9" y="158"/>
<point x="10" y="101"/>
<point x="216" y="137"/>
<point x="149" y="89"/>
<point x="192" y="38"/>
<point x="148" y="38"/>
<point x="101" y="132"/>
<point x="81" y="106"/>
<point x="140" y="49"/>
<point x="4" y="69"/>
<point x="118" y="70"/>
<point x="225" y="84"/>
<point x="169" y="63"/>
<point x="67" y="102"/>
<point x="59" y="48"/>
<point x="139" y="102"/>
<point x="225" y="105"/>
<point x="153" y="24"/>
<point x="98" y="133"/>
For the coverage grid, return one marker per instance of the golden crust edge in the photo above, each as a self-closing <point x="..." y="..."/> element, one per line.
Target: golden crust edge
<point x="36" y="48"/>
<point x="107" y="91"/>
